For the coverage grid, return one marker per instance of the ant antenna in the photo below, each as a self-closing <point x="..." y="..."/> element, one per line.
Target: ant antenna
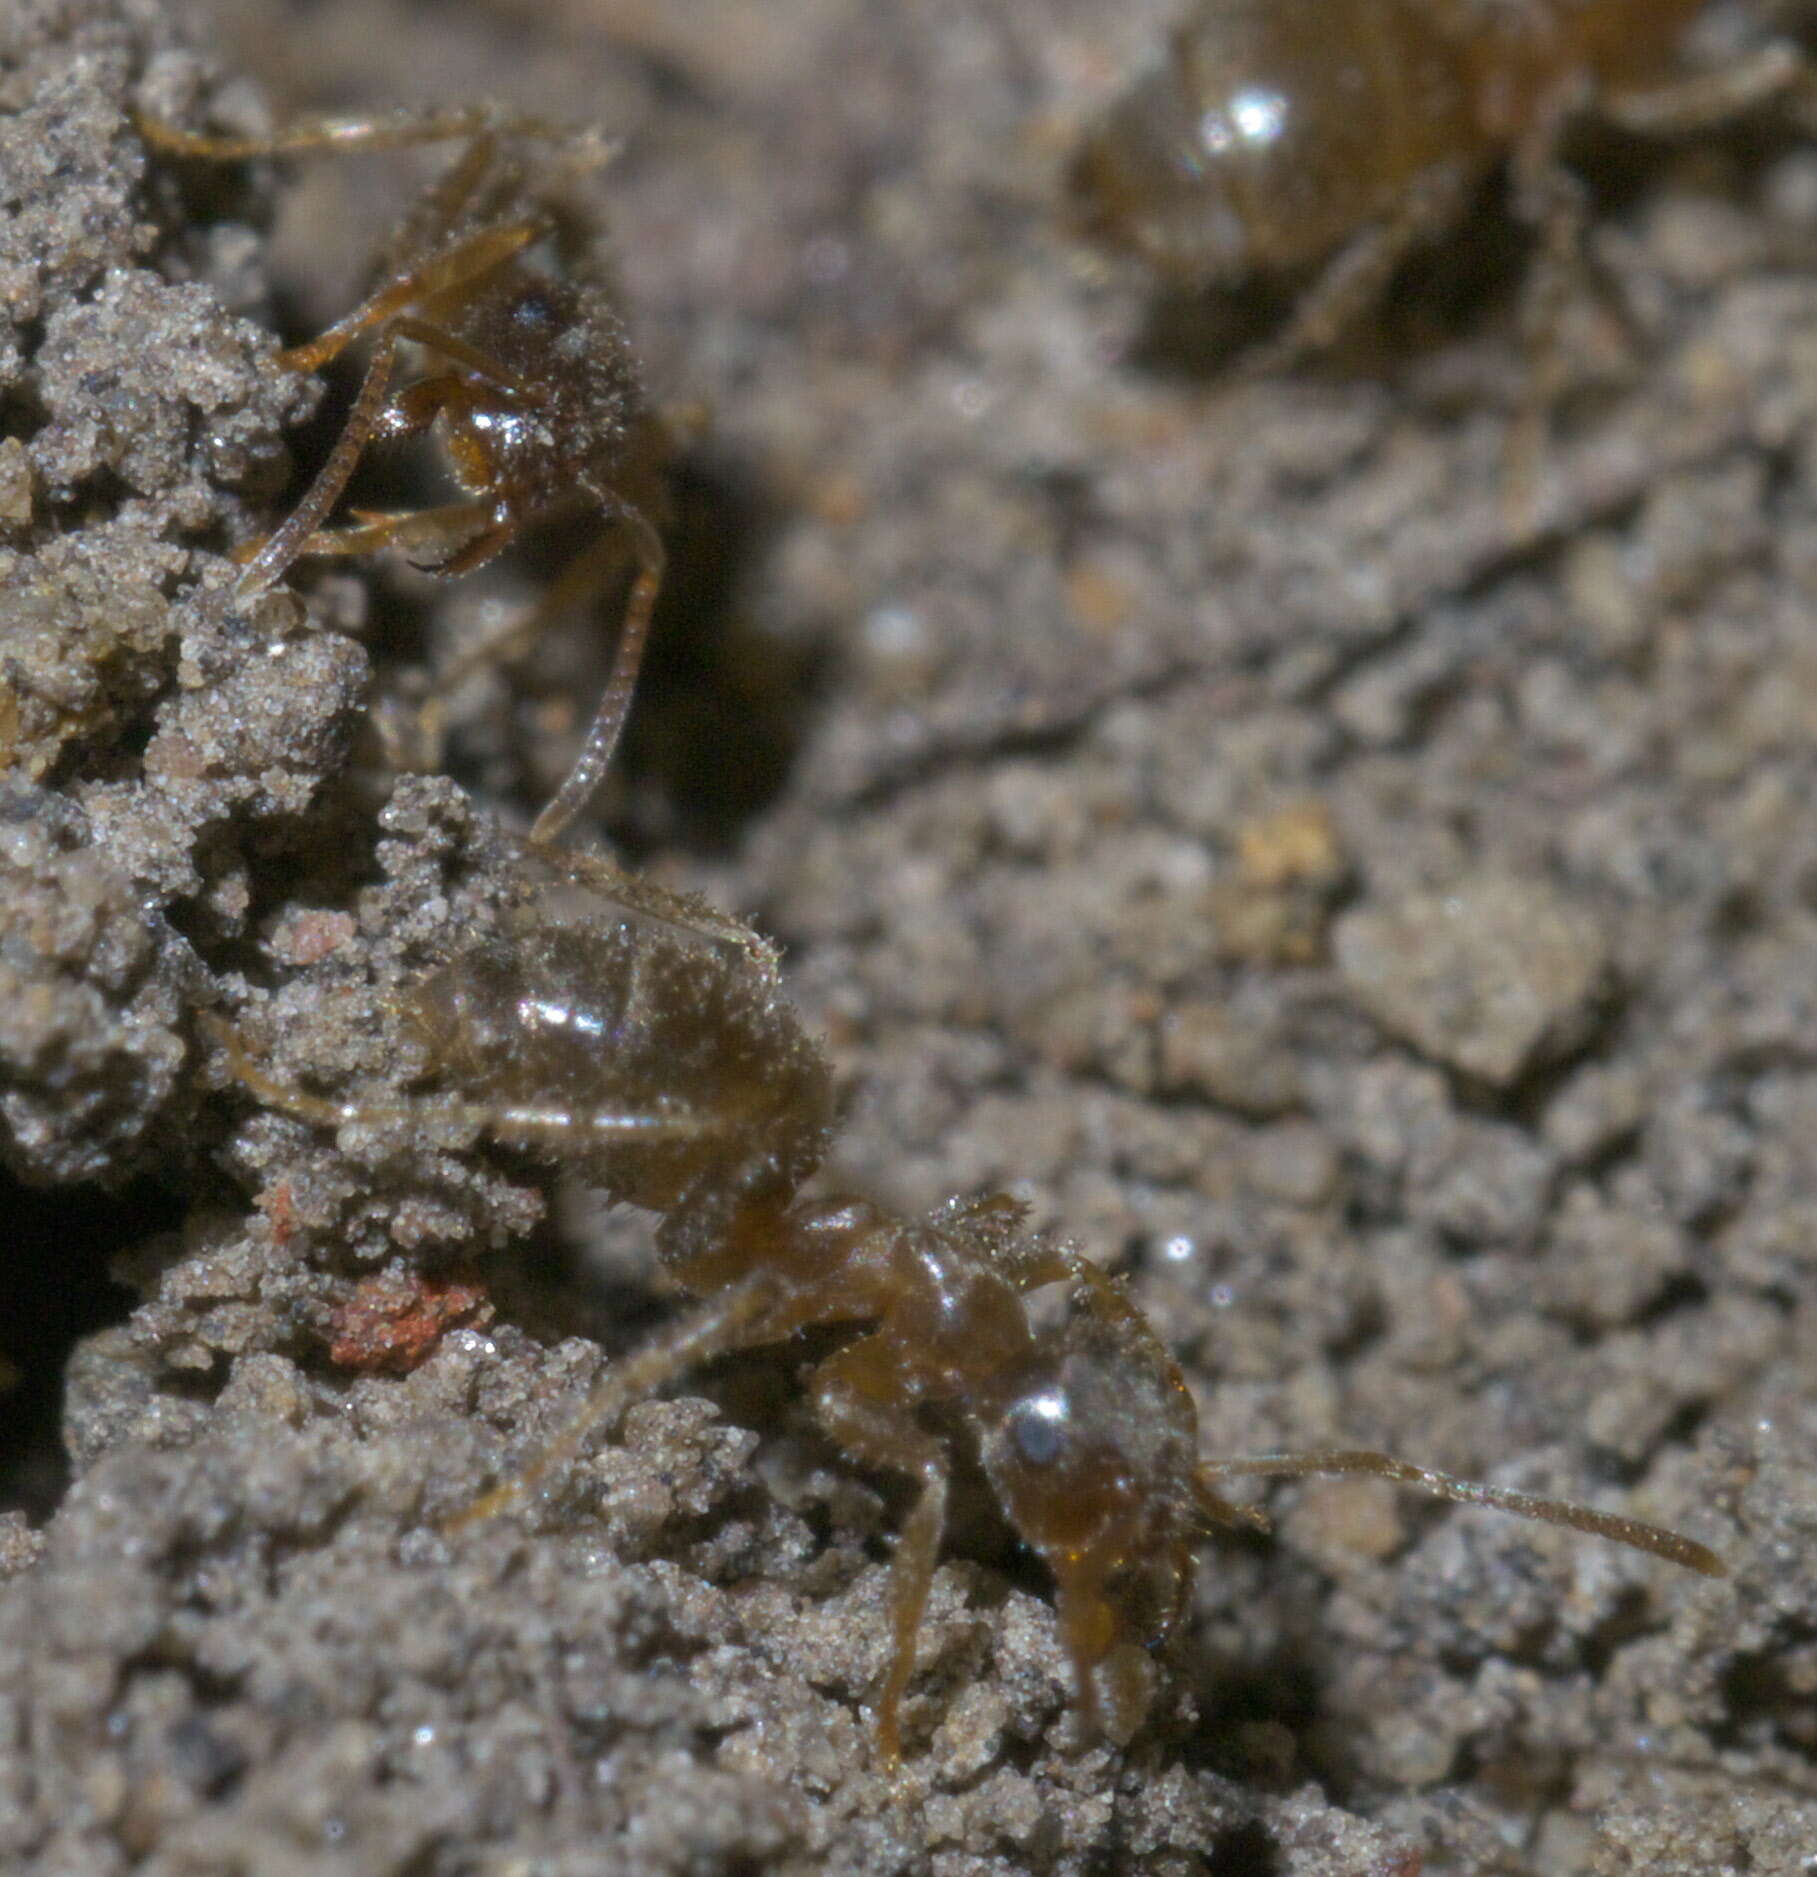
<point x="1636" y="1534"/>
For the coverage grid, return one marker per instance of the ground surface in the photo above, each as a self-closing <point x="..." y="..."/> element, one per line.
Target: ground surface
<point x="1388" y="937"/>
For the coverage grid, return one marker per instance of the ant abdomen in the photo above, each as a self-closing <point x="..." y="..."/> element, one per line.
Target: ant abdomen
<point x="1270" y="131"/>
<point x="647" y="1063"/>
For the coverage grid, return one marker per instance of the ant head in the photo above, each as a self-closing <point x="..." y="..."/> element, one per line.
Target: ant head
<point x="1091" y="1451"/>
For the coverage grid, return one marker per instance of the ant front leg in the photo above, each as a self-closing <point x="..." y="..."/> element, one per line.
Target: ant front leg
<point x="456" y="267"/>
<point x="445" y="531"/>
<point x="280" y="548"/>
<point x="860" y="1401"/>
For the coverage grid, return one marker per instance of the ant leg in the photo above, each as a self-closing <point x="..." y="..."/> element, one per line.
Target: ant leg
<point x="1115" y="1679"/>
<point x="1554" y="201"/>
<point x="468" y="260"/>
<point x="393" y="131"/>
<point x="859" y="1399"/>
<point x="1708" y="100"/>
<point x="429" y="220"/>
<point x="732" y="1320"/>
<point x="475" y="552"/>
<point x="615" y="701"/>
<point x="688" y="912"/>
<point x="1358" y="275"/>
<point x="453" y="523"/>
<point x="583" y="577"/>
<point x="458" y="352"/>
<point x="525" y="1122"/>
<point x="485" y="127"/>
<point x="282" y="547"/>
<point x="1635" y="1533"/>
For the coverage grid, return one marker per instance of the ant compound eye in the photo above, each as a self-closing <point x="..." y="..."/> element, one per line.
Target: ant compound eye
<point x="1040" y="1425"/>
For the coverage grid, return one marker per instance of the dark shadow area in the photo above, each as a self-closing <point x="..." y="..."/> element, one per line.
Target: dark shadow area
<point x="1760" y="1697"/>
<point x="723" y="708"/>
<point x="1243" y="1851"/>
<point x="58" y="1291"/>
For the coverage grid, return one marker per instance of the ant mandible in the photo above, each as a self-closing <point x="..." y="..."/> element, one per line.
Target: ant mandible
<point x="528" y="376"/>
<point x="674" y="1076"/>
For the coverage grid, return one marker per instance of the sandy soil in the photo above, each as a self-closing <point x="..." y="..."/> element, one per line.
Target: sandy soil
<point x="1386" y="935"/>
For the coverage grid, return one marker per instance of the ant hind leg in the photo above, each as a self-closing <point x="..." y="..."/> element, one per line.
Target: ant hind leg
<point x="732" y="1320"/>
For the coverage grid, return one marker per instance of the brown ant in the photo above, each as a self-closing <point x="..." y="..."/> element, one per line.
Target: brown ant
<point x="674" y="1076"/>
<point x="528" y="373"/>
<point x="1333" y="137"/>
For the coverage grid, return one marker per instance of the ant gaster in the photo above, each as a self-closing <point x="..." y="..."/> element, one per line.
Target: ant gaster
<point x="673" y="1075"/>
<point x="528" y="375"/>
<point x="1278" y="137"/>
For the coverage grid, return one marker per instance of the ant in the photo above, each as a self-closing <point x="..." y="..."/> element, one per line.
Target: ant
<point x="1333" y="137"/>
<point x="673" y="1075"/>
<point x="528" y="373"/>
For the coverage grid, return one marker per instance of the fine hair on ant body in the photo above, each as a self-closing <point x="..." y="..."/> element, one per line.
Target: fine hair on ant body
<point x="528" y="376"/>
<point x="673" y="1075"/>
<point x="1328" y="139"/>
